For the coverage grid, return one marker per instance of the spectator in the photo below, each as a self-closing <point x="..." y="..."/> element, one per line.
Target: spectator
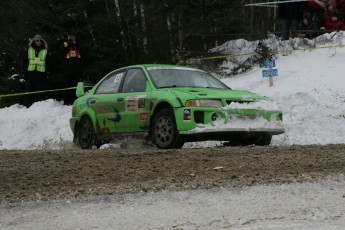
<point x="72" y="66"/>
<point x="35" y="74"/>
<point x="341" y="7"/>
<point x="334" y="20"/>
<point x="306" y="27"/>
<point x="291" y="14"/>
<point x="317" y="10"/>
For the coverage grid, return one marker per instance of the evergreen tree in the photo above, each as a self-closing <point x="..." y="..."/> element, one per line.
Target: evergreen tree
<point x="114" y="33"/>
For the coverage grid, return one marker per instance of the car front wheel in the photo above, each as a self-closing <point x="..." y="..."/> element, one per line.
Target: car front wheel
<point x="86" y="133"/>
<point x="164" y="131"/>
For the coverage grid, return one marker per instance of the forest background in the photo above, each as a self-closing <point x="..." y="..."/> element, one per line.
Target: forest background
<point x="117" y="33"/>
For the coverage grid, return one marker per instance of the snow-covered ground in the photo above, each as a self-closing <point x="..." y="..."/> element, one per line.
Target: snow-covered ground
<point x="296" y="206"/>
<point x="310" y="90"/>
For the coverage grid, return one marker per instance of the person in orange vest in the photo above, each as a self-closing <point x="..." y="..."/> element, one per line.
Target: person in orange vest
<point x="72" y="67"/>
<point x="35" y="69"/>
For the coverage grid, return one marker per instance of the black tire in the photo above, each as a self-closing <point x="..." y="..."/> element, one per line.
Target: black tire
<point x="86" y="133"/>
<point x="164" y="131"/>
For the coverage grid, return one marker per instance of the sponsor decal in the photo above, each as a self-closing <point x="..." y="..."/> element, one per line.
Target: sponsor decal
<point x="187" y="115"/>
<point x="180" y="101"/>
<point x="88" y="101"/>
<point x="144" y="116"/>
<point x="117" y="117"/>
<point x="141" y="103"/>
<point x="131" y="106"/>
<point x="100" y="107"/>
<point x="118" y="77"/>
<point x="135" y="103"/>
<point x="105" y="129"/>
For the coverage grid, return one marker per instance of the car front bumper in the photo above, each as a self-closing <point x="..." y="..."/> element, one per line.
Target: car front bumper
<point x="269" y="131"/>
<point x="226" y="134"/>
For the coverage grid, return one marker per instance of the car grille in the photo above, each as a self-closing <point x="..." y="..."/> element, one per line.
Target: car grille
<point x="243" y="116"/>
<point x="241" y="102"/>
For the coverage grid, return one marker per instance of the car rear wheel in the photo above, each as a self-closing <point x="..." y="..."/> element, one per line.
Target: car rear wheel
<point x="164" y="131"/>
<point x="86" y="133"/>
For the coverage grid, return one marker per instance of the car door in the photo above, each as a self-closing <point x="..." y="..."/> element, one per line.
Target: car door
<point x="135" y="102"/>
<point x="105" y="103"/>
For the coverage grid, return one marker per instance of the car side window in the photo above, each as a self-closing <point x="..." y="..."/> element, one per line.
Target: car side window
<point x="135" y="81"/>
<point x="111" y="84"/>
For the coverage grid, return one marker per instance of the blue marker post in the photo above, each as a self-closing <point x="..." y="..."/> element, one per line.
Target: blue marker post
<point x="270" y="72"/>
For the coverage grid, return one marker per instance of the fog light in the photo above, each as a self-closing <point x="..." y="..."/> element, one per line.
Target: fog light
<point x="215" y="116"/>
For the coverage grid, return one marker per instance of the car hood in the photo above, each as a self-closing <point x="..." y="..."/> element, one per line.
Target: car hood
<point x="209" y="93"/>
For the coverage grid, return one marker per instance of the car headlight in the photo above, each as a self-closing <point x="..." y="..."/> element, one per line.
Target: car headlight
<point x="204" y="103"/>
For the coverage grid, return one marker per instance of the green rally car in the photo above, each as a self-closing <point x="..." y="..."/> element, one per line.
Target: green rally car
<point x="170" y="105"/>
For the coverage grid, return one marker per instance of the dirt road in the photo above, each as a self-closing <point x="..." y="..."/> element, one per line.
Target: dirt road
<point x="41" y="175"/>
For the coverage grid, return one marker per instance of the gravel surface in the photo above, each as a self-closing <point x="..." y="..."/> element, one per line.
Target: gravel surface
<point x="44" y="175"/>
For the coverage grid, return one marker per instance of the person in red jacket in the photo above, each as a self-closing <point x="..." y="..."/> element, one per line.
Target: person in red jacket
<point x="333" y="20"/>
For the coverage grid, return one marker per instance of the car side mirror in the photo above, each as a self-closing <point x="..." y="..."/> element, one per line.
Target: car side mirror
<point x="80" y="89"/>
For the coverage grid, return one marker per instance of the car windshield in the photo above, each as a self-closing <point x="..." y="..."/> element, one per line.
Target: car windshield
<point x="167" y="77"/>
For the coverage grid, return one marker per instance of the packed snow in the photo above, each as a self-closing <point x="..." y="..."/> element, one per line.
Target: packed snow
<point x="307" y="206"/>
<point x="309" y="90"/>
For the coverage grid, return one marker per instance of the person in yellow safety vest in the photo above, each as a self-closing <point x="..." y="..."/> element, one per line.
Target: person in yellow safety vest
<point x="35" y="69"/>
<point x="71" y="66"/>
